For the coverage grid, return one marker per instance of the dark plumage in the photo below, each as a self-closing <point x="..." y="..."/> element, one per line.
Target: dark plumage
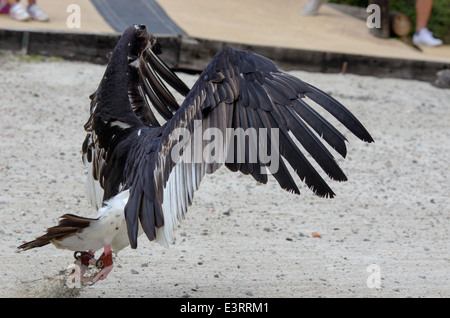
<point x="129" y="153"/>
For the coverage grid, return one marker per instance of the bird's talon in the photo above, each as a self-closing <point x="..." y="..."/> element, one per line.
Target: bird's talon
<point x="99" y="264"/>
<point x="104" y="261"/>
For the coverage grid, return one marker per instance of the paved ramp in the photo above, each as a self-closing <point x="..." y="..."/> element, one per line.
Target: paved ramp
<point x="121" y="14"/>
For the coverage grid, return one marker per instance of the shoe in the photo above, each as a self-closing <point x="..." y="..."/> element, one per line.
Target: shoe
<point x="425" y="38"/>
<point x="36" y="13"/>
<point x="18" y="12"/>
<point x="312" y="7"/>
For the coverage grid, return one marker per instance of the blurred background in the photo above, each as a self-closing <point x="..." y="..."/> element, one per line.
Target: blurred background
<point x="439" y="18"/>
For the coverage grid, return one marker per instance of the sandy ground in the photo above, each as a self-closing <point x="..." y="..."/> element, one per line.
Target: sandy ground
<point x="240" y="239"/>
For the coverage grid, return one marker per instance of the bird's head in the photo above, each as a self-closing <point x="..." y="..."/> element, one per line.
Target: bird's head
<point x="138" y="40"/>
<point x="134" y="42"/>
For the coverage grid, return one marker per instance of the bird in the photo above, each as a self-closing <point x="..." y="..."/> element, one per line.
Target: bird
<point x="144" y="161"/>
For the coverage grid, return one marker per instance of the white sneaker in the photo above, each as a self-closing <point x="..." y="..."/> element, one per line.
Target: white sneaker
<point x="37" y="13"/>
<point x="425" y="38"/>
<point x="18" y="12"/>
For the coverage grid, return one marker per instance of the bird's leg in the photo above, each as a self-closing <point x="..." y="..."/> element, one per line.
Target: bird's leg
<point x="105" y="264"/>
<point x="84" y="259"/>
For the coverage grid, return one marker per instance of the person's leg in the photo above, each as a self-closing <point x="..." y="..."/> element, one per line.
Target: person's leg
<point x="312" y="7"/>
<point x="423" y="37"/>
<point x="4" y="6"/>
<point x="423" y="11"/>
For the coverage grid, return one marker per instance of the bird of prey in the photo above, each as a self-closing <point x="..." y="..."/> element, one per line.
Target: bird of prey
<point x="142" y="174"/>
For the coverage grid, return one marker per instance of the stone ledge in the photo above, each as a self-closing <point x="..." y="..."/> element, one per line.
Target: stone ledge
<point x="190" y="54"/>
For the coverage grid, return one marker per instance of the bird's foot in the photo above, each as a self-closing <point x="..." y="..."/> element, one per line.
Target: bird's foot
<point x="83" y="260"/>
<point x="104" y="264"/>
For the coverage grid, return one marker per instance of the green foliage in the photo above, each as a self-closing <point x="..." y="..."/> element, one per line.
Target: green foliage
<point x="439" y="22"/>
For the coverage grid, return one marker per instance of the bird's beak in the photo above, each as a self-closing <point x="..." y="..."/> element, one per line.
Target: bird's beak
<point x="141" y="30"/>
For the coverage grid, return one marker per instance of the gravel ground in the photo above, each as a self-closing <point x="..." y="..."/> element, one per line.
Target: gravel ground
<point x="240" y="239"/>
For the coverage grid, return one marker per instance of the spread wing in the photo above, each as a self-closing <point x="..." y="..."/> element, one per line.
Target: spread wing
<point x="132" y="93"/>
<point x="237" y="90"/>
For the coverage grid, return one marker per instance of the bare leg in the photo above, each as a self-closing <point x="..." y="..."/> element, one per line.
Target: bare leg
<point x="84" y="259"/>
<point x="423" y="11"/>
<point x="423" y="37"/>
<point x="106" y="264"/>
<point x="312" y="7"/>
